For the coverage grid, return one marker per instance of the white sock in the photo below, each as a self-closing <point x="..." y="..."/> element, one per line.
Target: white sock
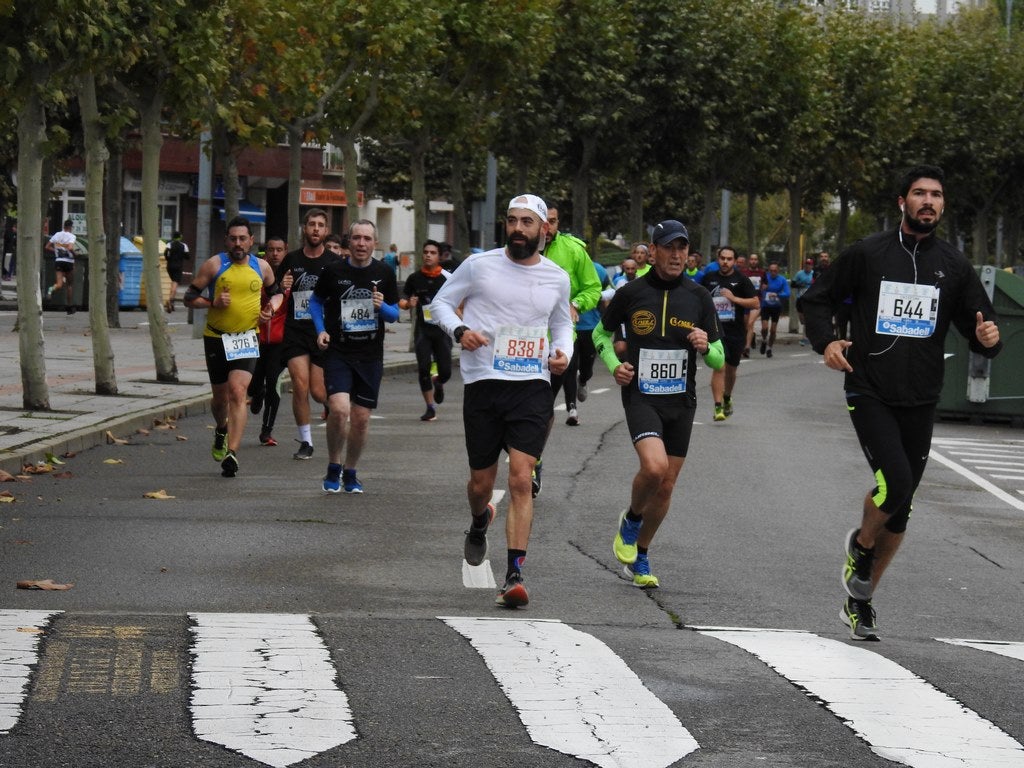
<point x="306" y="434"/>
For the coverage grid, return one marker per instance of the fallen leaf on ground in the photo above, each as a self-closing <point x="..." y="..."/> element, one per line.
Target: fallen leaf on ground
<point x="31" y="630"/>
<point x="182" y="438"/>
<point x="43" y="584"/>
<point x="111" y="440"/>
<point x="37" y="469"/>
<point x="68" y="455"/>
<point x="142" y="431"/>
<point x="161" y="494"/>
<point x="65" y="475"/>
<point x="8" y="499"/>
<point x="7" y="477"/>
<point x="113" y="461"/>
<point x="51" y="459"/>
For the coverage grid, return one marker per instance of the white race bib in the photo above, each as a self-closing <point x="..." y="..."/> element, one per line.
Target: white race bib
<point x="771" y="299"/>
<point x="426" y="313"/>
<point x="726" y="309"/>
<point x="358" y="316"/>
<point x="520" y="349"/>
<point x="662" y="371"/>
<point x="907" y="309"/>
<point x="301" y="303"/>
<point x="238" y="346"/>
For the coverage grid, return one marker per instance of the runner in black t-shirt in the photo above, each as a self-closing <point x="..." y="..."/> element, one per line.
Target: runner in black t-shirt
<point x="299" y="350"/>
<point x="733" y="294"/>
<point x="669" y="320"/>
<point x="352" y="301"/>
<point x="432" y="344"/>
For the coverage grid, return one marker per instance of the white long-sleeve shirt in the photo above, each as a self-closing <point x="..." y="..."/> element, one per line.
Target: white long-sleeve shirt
<point x="523" y="310"/>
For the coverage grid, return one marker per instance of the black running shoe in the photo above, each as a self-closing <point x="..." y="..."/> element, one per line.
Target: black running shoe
<point x="513" y="594"/>
<point x="305" y="452"/>
<point x="429" y="415"/>
<point x="535" y="479"/>
<point x="438" y="391"/>
<point x="220" y="444"/>
<point x="859" y="616"/>
<point x="475" y="548"/>
<point x="856" y="571"/>
<point x="229" y="467"/>
<point x="256" y="402"/>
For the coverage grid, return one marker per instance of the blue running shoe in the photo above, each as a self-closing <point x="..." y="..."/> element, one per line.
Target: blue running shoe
<point x="332" y="482"/>
<point x="640" y="573"/>
<point x="352" y="485"/>
<point x="624" y="543"/>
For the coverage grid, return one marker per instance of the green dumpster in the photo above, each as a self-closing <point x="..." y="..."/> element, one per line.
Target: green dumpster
<point x="978" y="389"/>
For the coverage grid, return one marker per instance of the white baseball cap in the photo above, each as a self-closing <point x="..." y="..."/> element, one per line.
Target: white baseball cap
<point x="530" y="203"/>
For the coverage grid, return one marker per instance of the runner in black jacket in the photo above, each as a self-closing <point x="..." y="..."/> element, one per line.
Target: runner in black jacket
<point x="907" y="287"/>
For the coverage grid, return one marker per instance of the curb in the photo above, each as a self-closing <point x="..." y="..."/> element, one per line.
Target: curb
<point x="96" y="434"/>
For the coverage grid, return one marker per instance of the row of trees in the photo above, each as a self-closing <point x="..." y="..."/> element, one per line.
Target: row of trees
<point x="627" y="110"/>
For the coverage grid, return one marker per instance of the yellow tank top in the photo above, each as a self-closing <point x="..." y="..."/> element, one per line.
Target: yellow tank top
<point x="244" y="282"/>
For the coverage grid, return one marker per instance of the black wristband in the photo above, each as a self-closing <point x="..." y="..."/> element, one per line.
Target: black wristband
<point x="457" y="333"/>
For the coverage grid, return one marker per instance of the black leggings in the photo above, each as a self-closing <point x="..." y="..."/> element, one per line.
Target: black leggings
<point x="896" y="442"/>
<point x="586" y="353"/>
<point x="433" y="344"/>
<point x="268" y="370"/>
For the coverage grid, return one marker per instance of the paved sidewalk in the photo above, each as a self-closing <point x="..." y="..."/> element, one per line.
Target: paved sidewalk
<point x="79" y="418"/>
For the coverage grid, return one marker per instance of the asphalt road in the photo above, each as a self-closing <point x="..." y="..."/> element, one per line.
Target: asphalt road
<point x="753" y="540"/>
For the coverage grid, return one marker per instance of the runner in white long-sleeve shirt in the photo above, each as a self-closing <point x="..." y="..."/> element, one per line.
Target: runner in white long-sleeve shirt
<point x="515" y="331"/>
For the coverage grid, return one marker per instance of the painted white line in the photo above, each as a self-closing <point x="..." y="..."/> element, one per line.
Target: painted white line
<point x="981" y="482"/>
<point x="899" y="715"/>
<point x="574" y="695"/>
<point x="19" y="649"/>
<point x="1012" y="650"/>
<point x="264" y="685"/>
<point x="600" y="391"/>
<point x="482" y="576"/>
<point x="1004" y="466"/>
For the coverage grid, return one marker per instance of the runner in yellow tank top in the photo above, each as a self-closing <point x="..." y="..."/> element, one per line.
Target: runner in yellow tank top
<point x="231" y="287"/>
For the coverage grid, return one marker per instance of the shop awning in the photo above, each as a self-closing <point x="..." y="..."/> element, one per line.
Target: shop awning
<point x="251" y="211"/>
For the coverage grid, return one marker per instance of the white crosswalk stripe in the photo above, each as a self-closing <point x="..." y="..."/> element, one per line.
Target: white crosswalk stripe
<point x="19" y="645"/>
<point x="267" y="687"/>
<point x="898" y="714"/>
<point x="263" y="685"/>
<point x="991" y="465"/>
<point x="574" y="695"/>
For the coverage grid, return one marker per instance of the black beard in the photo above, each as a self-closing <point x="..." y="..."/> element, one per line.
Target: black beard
<point x="521" y="251"/>
<point x="238" y="257"/>
<point x="921" y="227"/>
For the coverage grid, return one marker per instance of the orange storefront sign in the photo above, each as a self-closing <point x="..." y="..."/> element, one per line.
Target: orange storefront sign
<point x="325" y="197"/>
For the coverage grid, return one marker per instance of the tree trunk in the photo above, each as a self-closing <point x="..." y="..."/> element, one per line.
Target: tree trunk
<point x="844" y="219"/>
<point x="979" y="237"/>
<point x="752" y="244"/>
<point x="1011" y="240"/>
<point x="350" y="158"/>
<point x="113" y="210"/>
<point x="35" y="394"/>
<point x="417" y="166"/>
<point x="636" y="229"/>
<point x="581" y="192"/>
<point x="458" y="195"/>
<point x="232" y="189"/>
<point x="95" y="162"/>
<point x="152" y="140"/>
<point x="294" y="229"/>
<point x="707" y="219"/>
<point x="796" y="197"/>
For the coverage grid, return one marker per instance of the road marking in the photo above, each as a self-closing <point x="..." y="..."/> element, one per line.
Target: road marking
<point x="1012" y="650"/>
<point x="978" y="480"/>
<point x="481" y="576"/>
<point x="264" y="685"/>
<point x="900" y="716"/>
<point x="574" y="695"/>
<point x="19" y="647"/>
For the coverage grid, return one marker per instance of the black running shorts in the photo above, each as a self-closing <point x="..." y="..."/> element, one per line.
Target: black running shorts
<point x="506" y="414"/>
